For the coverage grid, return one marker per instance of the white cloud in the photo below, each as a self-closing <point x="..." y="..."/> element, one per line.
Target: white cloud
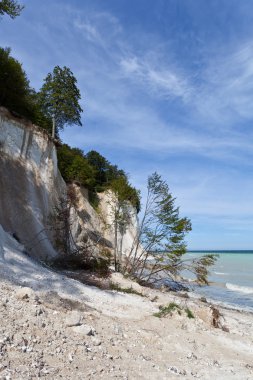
<point x="161" y="80"/>
<point x="89" y="29"/>
<point x="221" y="93"/>
<point x="97" y="27"/>
<point x="225" y="95"/>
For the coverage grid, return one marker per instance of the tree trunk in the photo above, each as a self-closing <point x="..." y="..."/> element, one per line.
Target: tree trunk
<point x="116" y="245"/>
<point x="53" y="127"/>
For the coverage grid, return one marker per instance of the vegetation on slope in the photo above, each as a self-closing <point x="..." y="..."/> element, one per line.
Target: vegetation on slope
<point x="95" y="172"/>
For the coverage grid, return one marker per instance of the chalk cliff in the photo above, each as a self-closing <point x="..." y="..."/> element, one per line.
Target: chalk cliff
<point x="29" y="183"/>
<point x="31" y="187"/>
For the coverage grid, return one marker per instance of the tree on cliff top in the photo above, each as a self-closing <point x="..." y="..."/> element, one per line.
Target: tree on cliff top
<point x="11" y="8"/>
<point x="14" y="85"/>
<point x="59" y="98"/>
<point x="15" y="91"/>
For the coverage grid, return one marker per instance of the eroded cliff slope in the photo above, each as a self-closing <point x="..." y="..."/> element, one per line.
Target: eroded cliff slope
<point x="30" y="183"/>
<point x="31" y="188"/>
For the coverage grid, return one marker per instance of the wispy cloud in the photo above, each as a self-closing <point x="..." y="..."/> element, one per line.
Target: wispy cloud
<point x="161" y="81"/>
<point x="91" y="32"/>
<point x="225" y="93"/>
<point x="97" y="27"/>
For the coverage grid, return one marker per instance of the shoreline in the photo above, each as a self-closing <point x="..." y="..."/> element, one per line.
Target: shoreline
<point x="222" y="304"/>
<point x="215" y="300"/>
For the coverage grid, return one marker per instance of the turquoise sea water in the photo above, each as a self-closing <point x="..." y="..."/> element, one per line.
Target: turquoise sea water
<point x="231" y="277"/>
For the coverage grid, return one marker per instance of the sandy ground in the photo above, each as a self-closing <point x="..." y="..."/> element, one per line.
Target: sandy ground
<point x="54" y="327"/>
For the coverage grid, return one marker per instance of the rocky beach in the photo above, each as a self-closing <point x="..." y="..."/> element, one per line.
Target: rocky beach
<point x="55" y="327"/>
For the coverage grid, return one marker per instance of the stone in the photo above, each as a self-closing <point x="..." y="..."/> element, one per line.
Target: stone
<point x="118" y="330"/>
<point x="191" y="355"/>
<point x="96" y="341"/>
<point x="84" y="330"/>
<point x="73" y="319"/>
<point x="176" y="371"/>
<point x="24" y="293"/>
<point x="225" y="328"/>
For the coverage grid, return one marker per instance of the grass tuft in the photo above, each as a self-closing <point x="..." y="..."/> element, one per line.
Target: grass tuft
<point x="165" y="310"/>
<point x="130" y="290"/>
<point x="189" y="313"/>
<point x="169" y="309"/>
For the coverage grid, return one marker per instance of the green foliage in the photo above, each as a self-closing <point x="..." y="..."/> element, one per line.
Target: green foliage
<point x="15" y="91"/>
<point x="201" y="266"/>
<point x="125" y="192"/>
<point x="189" y="313"/>
<point x="165" y="310"/>
<point x="130" y="290"/>
<point x="35" y="113"/>
<point x="96" y="173"/>
<point x="59" y="98"/>
<point x="75" y="167"/>
<point x="159" y="247"/>
<point x="162" y="231"/>
<point x="104" y="171"/>
<point x="167" y="229"/>
<point x="109" y="176"/>
<point x="169" y="309"/>
<point x="11" y="8"/>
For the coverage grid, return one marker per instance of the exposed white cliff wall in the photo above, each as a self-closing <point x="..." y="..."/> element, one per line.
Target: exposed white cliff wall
<point x="88" y="223"/>
<point x="127" y="239"/>
<point x="30" y="183"/>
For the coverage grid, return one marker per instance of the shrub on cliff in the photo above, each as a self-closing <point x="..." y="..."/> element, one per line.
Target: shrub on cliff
<point x="75" y="167"/>
<point x="108" y="176"/>
<point x="16" y="93"/>
<point x="95" y="172"/>
<point x="105" y="172"/>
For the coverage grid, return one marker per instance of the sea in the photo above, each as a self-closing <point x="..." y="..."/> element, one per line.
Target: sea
<point x="231" y="279"/>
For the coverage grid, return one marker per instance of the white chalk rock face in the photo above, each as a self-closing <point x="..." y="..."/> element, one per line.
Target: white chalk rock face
<point x="126" y="239"/>
<point x="29" y="183"/>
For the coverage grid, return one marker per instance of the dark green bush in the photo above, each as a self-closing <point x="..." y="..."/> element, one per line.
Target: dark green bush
<point x="16" y="93"/>
<point x="95" y="173"/>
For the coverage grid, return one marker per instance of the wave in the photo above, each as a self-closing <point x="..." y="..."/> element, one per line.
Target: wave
<point x="238" y="288"/>
<point x="221" y="273"/>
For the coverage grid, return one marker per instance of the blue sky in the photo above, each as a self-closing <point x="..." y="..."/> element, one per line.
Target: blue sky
<point x="167" y="86"/>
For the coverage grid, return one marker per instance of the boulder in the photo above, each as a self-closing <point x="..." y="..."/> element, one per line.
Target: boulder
<point x="24" y="293"/>
<point x="73" y="319"/>
<point x="84" y="330"/>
